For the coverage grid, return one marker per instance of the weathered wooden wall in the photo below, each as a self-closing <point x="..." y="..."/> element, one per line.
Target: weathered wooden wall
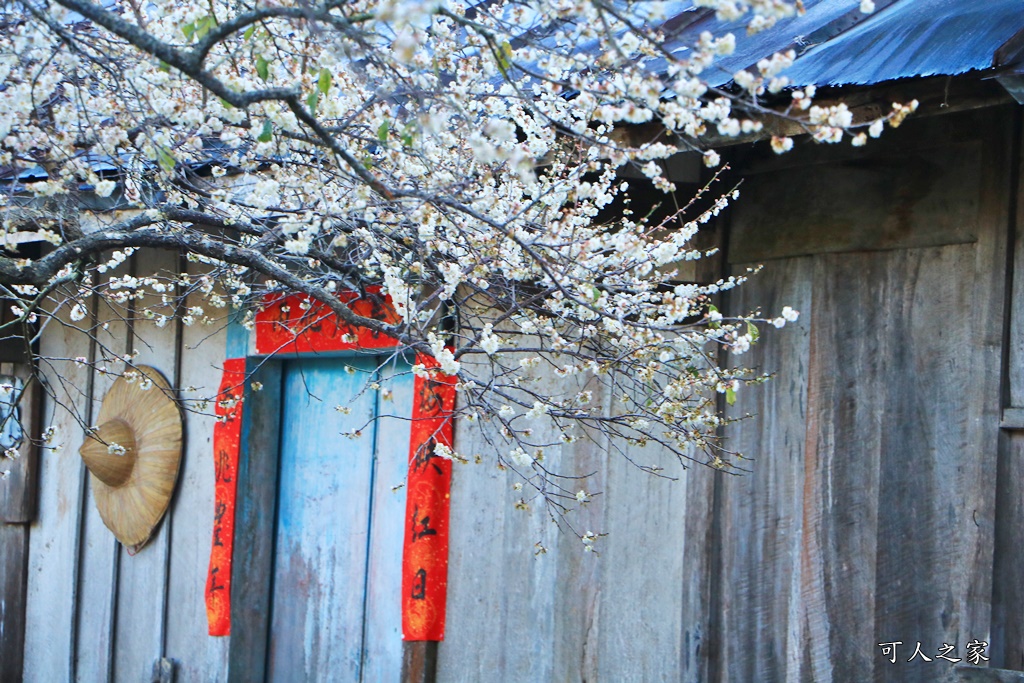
<point x="870" y="513"/>
<point x="94" y="613"/>
<point x="882" y="494"/>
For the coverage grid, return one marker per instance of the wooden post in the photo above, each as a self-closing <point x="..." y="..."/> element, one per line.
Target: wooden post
<point x="419" y="661"/>
<point x="17" y="510"/>
<point x="253" y="565"/>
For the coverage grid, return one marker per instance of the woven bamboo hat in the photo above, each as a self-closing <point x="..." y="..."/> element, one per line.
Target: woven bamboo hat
<point x="134" y="455"/>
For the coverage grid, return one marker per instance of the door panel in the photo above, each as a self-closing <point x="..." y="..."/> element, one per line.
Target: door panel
<point x="382" y="650"/>
<point x="334" y="513"/>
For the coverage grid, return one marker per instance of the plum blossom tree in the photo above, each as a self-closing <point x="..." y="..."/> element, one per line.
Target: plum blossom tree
<point x="461" y="157"/>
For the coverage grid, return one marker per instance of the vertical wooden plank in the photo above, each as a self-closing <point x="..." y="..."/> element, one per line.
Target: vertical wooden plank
<point x="641" y="608"/>
<point x="98" y="550"/>
<point x="895" y="526"/>
<point x="578" y="603"/>
<point x="503" y="567"/>
<point x="419" y="662"/>
<point x="142" y="582"/>
<point x="845" y="420"/>
<point x="761" y="577"/>
<point x="19" y="492"/>
<point x="941" y="393"/>
<point x="13" y="565"/>
<point x="898" y="443"/>
<point x="255" y="518"/>
<point x="197" y="656"/>
<point x="50" y="610"/>
<point x="382" y="648"/>
<point x="1008" y="573"/>
<point x="700" y="648"/>
<point x="18" y="509"/>
<point x="323" y="520"/>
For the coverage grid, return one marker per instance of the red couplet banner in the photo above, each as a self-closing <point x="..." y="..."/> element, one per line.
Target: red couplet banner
<point x="293" y="325"/>
<point x="227" y="437"/>
<point x="425" y="556"/>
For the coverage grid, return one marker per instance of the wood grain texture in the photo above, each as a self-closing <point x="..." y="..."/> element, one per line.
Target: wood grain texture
<point x="761" y="511"/>
<point x="255" y="518"/>
<point x="19" y="494"/>
<point x="142" y="583"/>
<point x="639" y="634"/>
<point x="323" y="520"/>
<point x="197" y="656"/>
<point x="563" y="614"/>
<point x="893" y="538"/>
<point x="940" y="393"/>
<point x="579" y="604"/>
<point x="50" y="612"/>
<point x="419" y="661"/>
<point x="700" y="648"/>
<point x="1008" y="573"/>
<point x="13" y="565"/>
<point x="501" y="595"/>
<point x="382" y="641"/>
<point x="96" y="600"/>
<point x="922" y="185"/>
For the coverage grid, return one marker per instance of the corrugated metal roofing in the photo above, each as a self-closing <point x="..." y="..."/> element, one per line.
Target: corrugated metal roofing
<point x="838" y="45"/>
<point x="795" y="32"/>
<point x="913" y="38"/>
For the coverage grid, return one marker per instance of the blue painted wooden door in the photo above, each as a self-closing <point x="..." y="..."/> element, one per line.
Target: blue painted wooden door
<point x="341" y="507"/>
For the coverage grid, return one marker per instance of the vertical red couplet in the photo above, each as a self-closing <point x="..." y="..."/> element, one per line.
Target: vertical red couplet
<point x="227" y="437"/>
<point x="425" y="555"/>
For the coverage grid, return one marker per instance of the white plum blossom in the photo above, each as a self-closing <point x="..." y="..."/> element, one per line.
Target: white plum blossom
<point x="521" y="458"/>
<point x="459" y="183"/>
<point x="489" y="342"/>
<point x="104" y="188"/>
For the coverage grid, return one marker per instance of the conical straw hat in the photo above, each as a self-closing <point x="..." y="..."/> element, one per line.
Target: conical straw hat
<point x="133" y="456"/>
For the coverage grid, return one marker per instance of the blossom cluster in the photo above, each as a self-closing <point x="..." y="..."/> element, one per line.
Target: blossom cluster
<point x="465" y="158"/>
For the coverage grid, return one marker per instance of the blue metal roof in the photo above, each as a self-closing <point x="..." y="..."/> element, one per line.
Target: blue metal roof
<point x="795" y="32"/>
<point x="836" y="44"/>
<point x="913" y="38"/>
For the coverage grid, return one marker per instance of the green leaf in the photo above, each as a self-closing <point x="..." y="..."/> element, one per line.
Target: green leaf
<point x="324" y="82"/>
<point x="368" y="162"/>
<point x="407" y="136"/>
<point x="595" y="293"/>
<point x="505" y="57"/>
<point x="382" y="131"/>
<point x="312" y="100"/>
<point x="165" y="159"/>
<point x="262" y="68"/>
<point x="203" y="25"/>
<point x="164" y="66"/>
<point x="248" y="32"/>
<point x="189" y="30"/>
<point x="267" y="134"/>
<point x="753" y="332"/>
<point x="730" y="396"/>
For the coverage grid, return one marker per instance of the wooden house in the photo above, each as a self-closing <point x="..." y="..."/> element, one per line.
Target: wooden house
<point x="882" y="519"/>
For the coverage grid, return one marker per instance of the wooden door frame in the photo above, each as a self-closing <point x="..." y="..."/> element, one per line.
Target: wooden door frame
<point x="255" y="519"/>
<point x="255" y="530"/>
